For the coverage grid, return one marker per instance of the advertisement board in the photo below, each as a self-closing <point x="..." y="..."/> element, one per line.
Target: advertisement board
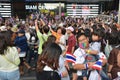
<point x="5" y="9"/>
<point x="82" y="9"/>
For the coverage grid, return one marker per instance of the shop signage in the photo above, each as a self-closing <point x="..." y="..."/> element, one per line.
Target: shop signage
<point x="82" y="9"/>
<point x="31" y="7"/>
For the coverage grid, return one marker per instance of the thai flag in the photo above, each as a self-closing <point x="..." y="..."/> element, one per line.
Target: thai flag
<point x="70" y="58"/>
<point x="98" y="65"/>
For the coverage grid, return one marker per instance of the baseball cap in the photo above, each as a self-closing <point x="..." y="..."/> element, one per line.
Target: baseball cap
<point x="21" y="31"/>
<point x="70" y="28"/>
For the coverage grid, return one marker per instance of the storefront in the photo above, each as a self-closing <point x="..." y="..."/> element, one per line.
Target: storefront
<point x="47" y="8"/>
<point x="68" y="7"/>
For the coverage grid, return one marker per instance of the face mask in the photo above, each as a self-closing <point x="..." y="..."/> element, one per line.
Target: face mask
<point x="82" y="45"/>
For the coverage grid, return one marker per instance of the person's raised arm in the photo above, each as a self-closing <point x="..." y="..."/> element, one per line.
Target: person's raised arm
<point x="36" y="25"/>
<point x="43" y="23"/>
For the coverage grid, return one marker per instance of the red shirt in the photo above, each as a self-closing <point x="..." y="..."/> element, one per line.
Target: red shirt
<point x="71" y="43"/>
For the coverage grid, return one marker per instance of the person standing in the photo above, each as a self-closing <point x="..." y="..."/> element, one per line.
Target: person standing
<point x="42" y="36"/>
<point x="9" y="58"/>
<point x="62" y="41"/>
<point x="62" y="68"/>
<point x="21" y="42"/>
<point x="71" y="43"/>
<point x="114" y="63"/>
<point x="81" y="56"/>
<point x="48" y="63"/>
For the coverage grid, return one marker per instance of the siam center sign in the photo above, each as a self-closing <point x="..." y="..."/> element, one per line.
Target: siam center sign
<point x="33" y="7"/>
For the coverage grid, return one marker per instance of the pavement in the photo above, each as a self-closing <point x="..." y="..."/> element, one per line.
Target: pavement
<point x="29" y="75"/>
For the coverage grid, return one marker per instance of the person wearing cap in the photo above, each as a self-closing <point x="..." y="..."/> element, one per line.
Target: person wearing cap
<point x="71" y="40"/>
<point x="71" y="43"/>
<point x="21" y="42"/>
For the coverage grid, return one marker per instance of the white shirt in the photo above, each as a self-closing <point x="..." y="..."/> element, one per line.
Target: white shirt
<point x="63" y="41"/>
<point x="95" y="46"/>
<point x="47" y="68"/>
<point x="27" y="34"/>
<point x="80" y="58"/>
<point x="62" y="68"/>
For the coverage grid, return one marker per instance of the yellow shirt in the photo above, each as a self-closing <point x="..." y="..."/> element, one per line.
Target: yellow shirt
<point x="56" y="35"/>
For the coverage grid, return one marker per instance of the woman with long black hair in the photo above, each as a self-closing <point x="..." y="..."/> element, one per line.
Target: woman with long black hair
<point x="9" y="58"/>
<point x="48" y="63"/>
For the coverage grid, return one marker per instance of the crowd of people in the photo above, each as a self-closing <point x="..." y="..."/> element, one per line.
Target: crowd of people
<point x="86" y="48"/>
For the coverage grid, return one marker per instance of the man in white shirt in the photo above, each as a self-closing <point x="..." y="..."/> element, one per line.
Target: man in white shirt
<point x="80" y="54"/>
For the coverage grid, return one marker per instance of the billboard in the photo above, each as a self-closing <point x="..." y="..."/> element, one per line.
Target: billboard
<point x="5" y="9"/>
<point x="82" y="9"/>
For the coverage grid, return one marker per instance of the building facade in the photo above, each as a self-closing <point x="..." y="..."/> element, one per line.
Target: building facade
<point x="71" y="7"/>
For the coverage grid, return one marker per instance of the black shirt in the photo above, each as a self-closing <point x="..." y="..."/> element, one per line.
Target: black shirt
<point x="47" y="75"/>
